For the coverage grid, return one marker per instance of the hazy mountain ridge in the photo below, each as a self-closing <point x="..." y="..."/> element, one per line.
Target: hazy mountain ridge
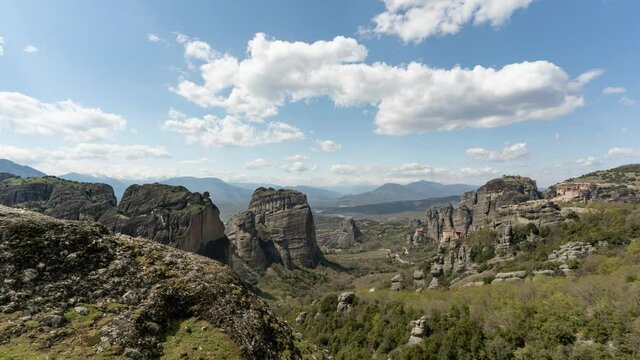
<point x="391" y="192"/>
<point x="7" y="166"/>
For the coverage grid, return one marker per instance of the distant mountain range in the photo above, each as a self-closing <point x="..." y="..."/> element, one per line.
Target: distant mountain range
<point x="395" y="192"/>
<point x="393" y="207"/>
<point x="234" y="197"/>
<point x="10" y="167"/>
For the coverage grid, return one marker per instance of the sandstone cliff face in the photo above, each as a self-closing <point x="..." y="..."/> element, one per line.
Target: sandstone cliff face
<point x="344" y="233"/>
<point x="171" y="215"/>
<point x="59" y="198"/>
<point x="277" y="228"/>
<point x="75" y="290"/>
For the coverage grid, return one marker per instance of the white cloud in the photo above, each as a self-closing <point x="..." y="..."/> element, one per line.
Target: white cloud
<point x="296" y="157"/>
<point x="613" y="90"/>
<point x="89" y="151"/>
<point x="229" y="131"/>
<point x="1" y="46"/>
<point x="298" y="167"/>
<point x="415" y="170"/>
<point x="195" y="49"/>
<point x="412" y="98"/>
<point x="627" y="101"/>
<point x="200" y="161"/>
<point x="478" y="171"/>
<point x="153" y="38"/>
<point x="30" y="49"/>
<point x="119" y="161"/>
<point x="588" y="161"/>
<point x="258" y="163"/>
<point x="131" y="152"/>
<point x="345" y="169"/>
<point x="622" y="152"/>
<point x="556" y="136"/>
<point x="26" y="115"/>
<point x="328" y="145"/>
<point x="510" y="152"/>
<point x="416" y="20"/>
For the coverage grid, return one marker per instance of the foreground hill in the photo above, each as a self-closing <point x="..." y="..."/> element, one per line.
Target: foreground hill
<point x="75" y="290"/>
<point x="395" y="192"/>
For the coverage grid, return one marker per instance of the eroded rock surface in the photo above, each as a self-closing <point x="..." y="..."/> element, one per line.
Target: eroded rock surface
<point x="278" y="227"/>
<point x="344" y="235"/>
<point x="132" y="288"/>
<point x="171" y="215"/>
<point x="59" y="198"/>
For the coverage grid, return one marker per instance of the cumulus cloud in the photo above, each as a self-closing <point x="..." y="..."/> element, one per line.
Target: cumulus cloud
<point x="296" y="157"/>
<point x="412" y="98"/>
<point x="27" y="115"/>
<point x="345" y="169"/>
<point x="622" y="152"/>
<point x="478" y="171"/>
<point x="258" y="163"/>
<point x="200" y="161"/>
<point x="613" y="90"/>
<point x="627" y="101"/>
<point x="89" y="151"/>
<point x="1" y="46"/>
<point x="416" y="20"/>
<point x="30" y="49"/>
<point x="298" y="167"/>
<point x="415" y="170"/>
<point x="328" y="145"/>
<point x="153" y="38"/>
<point x="588" y="161"/>
<point x="510" y="152"/>
<point x="119" y="161"/>
<point x="229" y="130"/>
<point x="410" y="172"/>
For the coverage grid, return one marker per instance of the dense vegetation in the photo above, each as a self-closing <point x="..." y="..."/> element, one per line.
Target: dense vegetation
<point x="594" y="314"/>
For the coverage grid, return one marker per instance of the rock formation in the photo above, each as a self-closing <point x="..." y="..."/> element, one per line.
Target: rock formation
<point x="345" y="301"/>
<point x="278" y="228"/>
<point x="59" y="198"/>
<point x="344" y="235"/>
<point x="418" y="330"/>
<point x="75" y="290"/>
<point x="418" y="279"/>
<point x="171" y="215"/>
<point x="479" y="208"/>
<point x="397" y="282"/>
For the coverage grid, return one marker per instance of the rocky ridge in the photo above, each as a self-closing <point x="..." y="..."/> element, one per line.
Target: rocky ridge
<point x="171" y="215"/>
<point x="76" y="290"/>
<point x="59" y="198"/>
<point x="501" y="204"/>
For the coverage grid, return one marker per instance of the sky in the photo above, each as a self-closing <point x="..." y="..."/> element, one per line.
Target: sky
<point x="321" y="92"/>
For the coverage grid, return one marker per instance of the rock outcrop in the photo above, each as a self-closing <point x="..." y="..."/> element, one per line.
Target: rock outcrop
<point x="171" y="215"/>
<point x="344" y="235"/>
<point x="620" y="184"/>
<point x="75" y="290"/>
<point x="345" y="301"/>
<point x="278" y="227"/>
<point x="501" y="204"/>
<point x="418" y="330"/>
<point x="479" y="208"/>
<point x="59" y="198"/>
<point x="397" y="282"/>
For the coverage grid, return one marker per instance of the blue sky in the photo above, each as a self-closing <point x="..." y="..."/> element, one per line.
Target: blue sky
<point x="321" y="93"/>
